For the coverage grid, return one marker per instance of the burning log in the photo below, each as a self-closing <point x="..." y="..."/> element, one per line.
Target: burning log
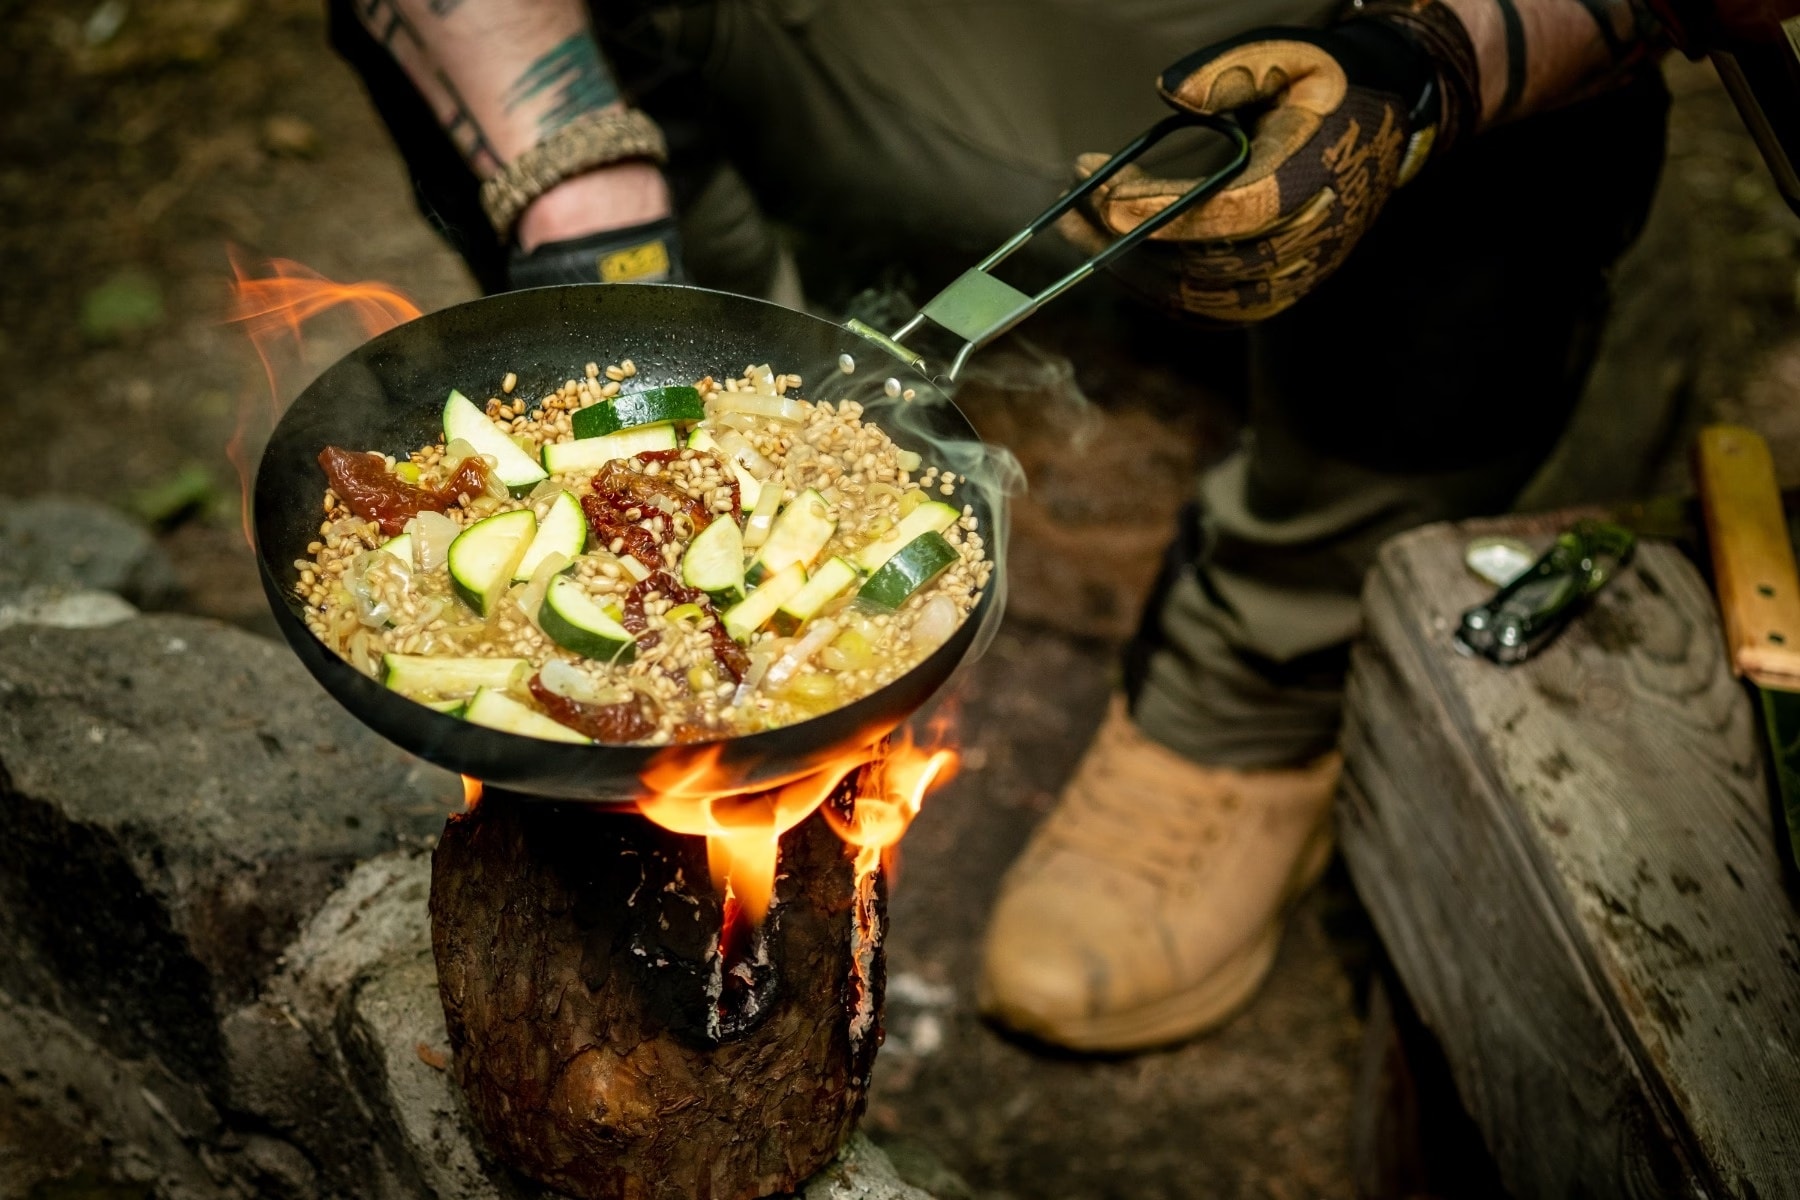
<point x="620" y="1030"/>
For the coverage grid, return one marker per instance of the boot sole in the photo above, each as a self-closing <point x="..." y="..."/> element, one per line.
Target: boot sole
<point x="1200" y="1009"/>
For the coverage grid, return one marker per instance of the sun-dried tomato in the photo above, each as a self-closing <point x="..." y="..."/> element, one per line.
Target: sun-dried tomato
<point x="729" y="655"/>
<point x="626" y="488"/>
<point x="364" y="483"/>
<point x="609" y="526"/>
<point x="618" y="724"/>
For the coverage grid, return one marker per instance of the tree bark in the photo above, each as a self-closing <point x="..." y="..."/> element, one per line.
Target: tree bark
<point x="605" y="1046"/>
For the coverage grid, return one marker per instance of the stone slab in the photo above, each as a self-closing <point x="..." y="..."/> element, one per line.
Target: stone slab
<point x="72" y="543"/>
<point x="179" y="797"/>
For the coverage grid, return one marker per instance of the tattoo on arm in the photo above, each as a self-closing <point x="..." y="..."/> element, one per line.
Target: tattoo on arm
<point x="389" y="25"/>
<point x="466" y="132"/>
<point x="573" y="77"/>
<point x="1516" y="63"/>
<point x="443" y="8"/>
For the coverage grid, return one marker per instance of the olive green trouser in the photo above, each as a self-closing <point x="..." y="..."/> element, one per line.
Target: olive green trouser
<point x="1428" y="380"/>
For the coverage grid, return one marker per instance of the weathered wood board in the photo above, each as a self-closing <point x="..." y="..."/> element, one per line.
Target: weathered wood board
<point x="1572" y="863"/>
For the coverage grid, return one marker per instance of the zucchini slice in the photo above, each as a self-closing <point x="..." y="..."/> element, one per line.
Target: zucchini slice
<point x="590" y="454"/>
<point x="826" y="585"/>
<point x="750" y="614"/>
<point x="799" y="535"/>
<point x="428" y="677"/>
<point x="930" y="517"/>
<point x="714" y="561"/>
<point x="450" y="708"/>
<point x="562" y="531"/>
<point x="401" y="547"/>
<point x="514" y="467"/>
<point x="483" y="557"/>
<point x="907" y="570"/>
<point x="502" y="712"/>
<point x="570" y="618"/>
<point x="654" y="406"/>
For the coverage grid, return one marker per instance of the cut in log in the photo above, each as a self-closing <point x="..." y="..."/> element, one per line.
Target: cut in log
<point x="604" y="1047"/>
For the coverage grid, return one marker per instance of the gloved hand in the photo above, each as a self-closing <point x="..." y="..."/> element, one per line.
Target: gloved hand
<point x="1340" y="117"/>
<point x="647" y="253"/>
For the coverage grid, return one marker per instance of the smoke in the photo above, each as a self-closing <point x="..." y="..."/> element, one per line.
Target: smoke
<point x="918" y="413"/>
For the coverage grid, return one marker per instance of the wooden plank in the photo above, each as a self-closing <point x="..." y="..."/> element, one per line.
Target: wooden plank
<point x="1572" y="863"/>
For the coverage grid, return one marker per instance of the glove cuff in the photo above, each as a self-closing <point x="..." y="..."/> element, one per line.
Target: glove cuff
<point x="647" y="253"/>
<point x="1438" y="34"/>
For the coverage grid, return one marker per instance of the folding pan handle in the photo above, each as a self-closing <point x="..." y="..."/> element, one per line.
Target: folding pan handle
<point x="978" y="307"/>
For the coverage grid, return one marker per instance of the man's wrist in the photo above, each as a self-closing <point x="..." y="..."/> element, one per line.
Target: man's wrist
<point x="616" y="196"/>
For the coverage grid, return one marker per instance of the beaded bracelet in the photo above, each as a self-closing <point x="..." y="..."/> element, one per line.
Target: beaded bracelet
<point x="591" y="140"/>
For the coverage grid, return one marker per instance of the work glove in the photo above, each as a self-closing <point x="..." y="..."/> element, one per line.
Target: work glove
<point x="1338" y="117"/>
<point x="647" y="253"/>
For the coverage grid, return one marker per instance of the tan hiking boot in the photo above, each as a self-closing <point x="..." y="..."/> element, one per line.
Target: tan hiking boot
<point x="1148" y="907"/>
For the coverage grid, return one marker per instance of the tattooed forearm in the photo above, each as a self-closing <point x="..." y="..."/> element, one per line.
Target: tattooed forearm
<point x="466" y="132"/>
<point x="570" y="77"/>
<point x="1537" y="54"/>
<point x="501" y="75"/>
<point x="389" y="25"/>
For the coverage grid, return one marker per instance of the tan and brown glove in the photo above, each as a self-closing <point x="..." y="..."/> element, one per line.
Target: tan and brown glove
<point x="1341" y="116"/>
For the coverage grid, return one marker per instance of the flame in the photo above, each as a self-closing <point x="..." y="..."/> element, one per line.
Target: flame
<point x="693" y="794"/>
<point x="272" y="307"/>
<point x="471" y="792"/>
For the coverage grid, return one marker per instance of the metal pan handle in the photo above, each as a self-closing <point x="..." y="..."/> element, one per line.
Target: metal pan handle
<point x="978" y="307"/>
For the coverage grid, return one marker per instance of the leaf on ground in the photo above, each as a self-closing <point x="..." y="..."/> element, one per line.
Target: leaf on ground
<point x="190" y="491"/>
<point x="129" y="302"/>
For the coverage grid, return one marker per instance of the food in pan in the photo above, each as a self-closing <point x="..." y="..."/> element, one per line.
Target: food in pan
<point x="642" y="565"/>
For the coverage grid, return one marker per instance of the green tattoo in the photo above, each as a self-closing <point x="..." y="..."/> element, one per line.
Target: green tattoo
<point x="572" y="74"/>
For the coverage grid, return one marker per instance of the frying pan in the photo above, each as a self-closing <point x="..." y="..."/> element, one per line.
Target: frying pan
<point x="388" y="395"/>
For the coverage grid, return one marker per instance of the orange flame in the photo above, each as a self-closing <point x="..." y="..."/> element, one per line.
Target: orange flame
<point x="743" y="825"/>
<point x="471" y="792"/>
<point x="272" y="308"/>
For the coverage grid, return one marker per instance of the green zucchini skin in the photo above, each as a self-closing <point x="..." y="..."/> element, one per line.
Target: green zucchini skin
<point x="799" y="535"/>
<point x="933" y="516"/>
<point x="571" y="619"/>
<point x="654" y="406"/>
<point x="590" y="454"/>
<point x="826" y="585"/>
<point x="910" y="568"/>
<point x="714" y="561"/>
<point x="483" y="556"/>
<point x="462" y="419"/>
<point x="563" y="531"/>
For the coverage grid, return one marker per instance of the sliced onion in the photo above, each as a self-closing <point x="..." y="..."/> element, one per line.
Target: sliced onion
<point x="762" y="516"/>
<point x="742" y="422"/>
<point x="753" y="675"/>
<point x="815" y="640"/>
<point x="766" y="405"/>
<point x="432" y="534"/>
<point x="909" y="460"/>
<point x="935" y="623"/>
<point x="736" y="447"/>
<point x="572" y="683"/>
<point x="454" y="453"/>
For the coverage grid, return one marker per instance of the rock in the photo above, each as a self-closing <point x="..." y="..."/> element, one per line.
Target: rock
<point x="179" y="797"/>
<point x="861" y="1172"/>
<point x="288" y="136"/>
<point x="397" y="1040"/>
<point x="67" y="1105"/>
<point x="56" y="544"/>
<point x="79" y="609"/>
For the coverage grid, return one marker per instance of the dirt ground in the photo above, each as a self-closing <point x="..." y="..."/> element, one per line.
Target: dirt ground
<point x="159" y="135"/>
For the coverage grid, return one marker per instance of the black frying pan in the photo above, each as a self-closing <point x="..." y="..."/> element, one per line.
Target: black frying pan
<point x="388" y="395"/>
